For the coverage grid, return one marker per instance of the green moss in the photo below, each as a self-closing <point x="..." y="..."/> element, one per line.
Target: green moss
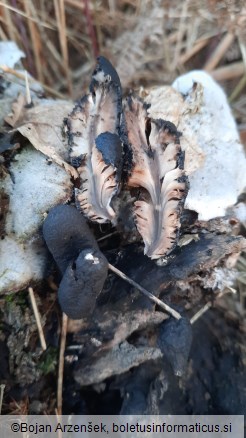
<point x="48" y="361"/>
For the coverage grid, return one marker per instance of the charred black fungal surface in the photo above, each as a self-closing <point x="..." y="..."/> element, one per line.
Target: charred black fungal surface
<point x="174" y="340"/>
<point x="82" y="282"/>
<point x="66" y="233"/>
<point x="110" y="147"/>
<point x="103" y="72"/>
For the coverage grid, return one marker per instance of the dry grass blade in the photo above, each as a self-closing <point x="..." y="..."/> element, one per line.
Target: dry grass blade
<point x="237" y="90"/>
<point x="61" y="22"/>
<point x="107" y="236"/>
<point x="8" y="20"/>
<point x="23" y="14"/>
<point x="181" y="33"/>
<point x="2" y="388"/>
<point x="148" y="294"/>
<point x="36" y="42"/>
<point x="210" y="304"/>
<point x="3" y="36"/>
<point x="199" y="45"/>
<point x="61" y="363"/>
<point x="219" y="52"/>
<point x="230" y="71"/>
<point x="28" y="93"/>
<point x="37" y="317"/>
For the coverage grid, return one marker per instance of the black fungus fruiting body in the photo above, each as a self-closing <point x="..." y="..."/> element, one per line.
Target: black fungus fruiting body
<point x="174" y="340"/>
<point x="104" y="71"/>
<point x="165" y="125"/>
<point x="66" y="233"/>
<point x="82" y="282"/>
<point x="79" y="259"/>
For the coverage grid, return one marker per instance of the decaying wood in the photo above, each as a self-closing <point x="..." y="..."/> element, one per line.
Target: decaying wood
<point x="152" y="297"/>
<point x="117" y="361"/>
<point x="186" y="263"/>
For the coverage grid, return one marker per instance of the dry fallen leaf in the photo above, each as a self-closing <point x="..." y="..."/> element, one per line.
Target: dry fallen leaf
<point x="42" y="125"/>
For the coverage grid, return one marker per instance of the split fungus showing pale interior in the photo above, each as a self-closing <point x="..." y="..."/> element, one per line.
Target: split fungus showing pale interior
<point x="97" y="113"/>
<point x="100" y="131"/>
<point x="158" y="163"/>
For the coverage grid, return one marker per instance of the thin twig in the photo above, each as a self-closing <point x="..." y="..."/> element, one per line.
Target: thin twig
<point x="61" y="363"/>
<point x="107" y="235"/>
<point x="145" y="292"/>
<point x="2" y="388"/>
<point x="210" y="304"/>
<point x="37" y="317"/>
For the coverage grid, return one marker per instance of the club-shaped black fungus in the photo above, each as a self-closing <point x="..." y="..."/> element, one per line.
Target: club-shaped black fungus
<point x="103" y="70"/>
<point x="174" y="340"/>
<point x="66" y="233"/>
<point x="81" y="284"/>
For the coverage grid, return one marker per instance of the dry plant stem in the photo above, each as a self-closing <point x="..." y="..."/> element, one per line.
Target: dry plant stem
<point x="11" y="71"/>
<point x="91" y="31"/>
<point x="61" y="22"/>
<point x="28" y="94"/>
<point x="61" y="363"/>
<point x="19" y="12"/>
<point x="230" y="71"/>
<point x="53" y="64"/>
<point x="35" y="39"/>
<point x="20" y="26"/>
<point x="75" y="4"/>
<point x="237" y="90"/>
<point x="2" y="388"/>
<point x="8" y="20"/>
<point x="199" y="45"/>
<point x="37" y="317"/>
<point x="219" y="52"/>
<point x="148" y="294"/>
<point x="181" y="32"/>
<point x="107" y="235"/>
<point x="210" y="304"/>
<point x="3" y="36"/>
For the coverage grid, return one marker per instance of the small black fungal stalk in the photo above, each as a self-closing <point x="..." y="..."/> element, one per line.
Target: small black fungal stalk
<point x="116" y="148"/>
